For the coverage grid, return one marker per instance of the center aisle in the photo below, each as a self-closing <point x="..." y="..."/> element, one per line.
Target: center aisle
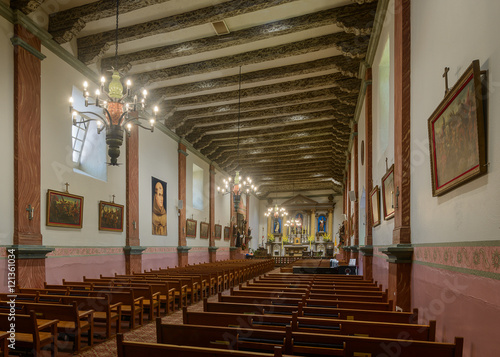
<point x="147" y="333"/>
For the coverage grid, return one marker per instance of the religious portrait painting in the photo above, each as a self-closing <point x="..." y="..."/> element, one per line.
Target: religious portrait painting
<point x="321" y="224"/>
<point x="64" y="210"/>
<point x="110" y="216"/>
<point x="191" y="228"/>
<point x="388" y="193"/>
<point x="457" y="135"/>
<point x="204" y="230"/>
<point x="159" y="209"/>
<point x="226" y="233"/>
<point x="218" y="231"/>
<point x="375" y="206"/>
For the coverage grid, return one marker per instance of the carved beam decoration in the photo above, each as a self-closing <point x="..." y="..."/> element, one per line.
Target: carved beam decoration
<point x="25" y="6"/>
<point x="94" y="46"/>
<point x="352" y="18"/>
<point x="276" y="102"/>
<point x="348" y="67"/>
<point x="349" y="45"/>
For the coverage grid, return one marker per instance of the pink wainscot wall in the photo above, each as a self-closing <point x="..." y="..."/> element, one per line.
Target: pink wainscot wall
<point x="464" y="305"/>
<point x="380" y="269"/>
<point x="159" y="257"/>
<point x="73" y="263"/>
<point x="198" y="255"/>
<point x="223" y="253"/>
<point x="360" y="264"/>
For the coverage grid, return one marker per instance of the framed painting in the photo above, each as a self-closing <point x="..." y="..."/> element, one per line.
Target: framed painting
<point x="375" y="206"/>
<point x="64" y="210"/>
<point x="226" y="233"/>
<point x="388" y="193"/>
<point x="191" y="228"/>
<point x="110" y="217"/>
<point x="204" y="230"/>
<point x="218" y="231"/>
<point x="457" y="135"/>
<point x="159" y="208"/>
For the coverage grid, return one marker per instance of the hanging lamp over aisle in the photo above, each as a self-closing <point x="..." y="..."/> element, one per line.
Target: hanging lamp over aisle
<point x="237" y="184"/>
<point x="120" y="110"/>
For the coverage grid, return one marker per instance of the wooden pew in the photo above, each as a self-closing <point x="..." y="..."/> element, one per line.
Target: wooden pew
<point x="104" y="311"/>
<point x="301" y="343"/>
<point x="71" y="321"/>
<point x="220" y="337"/>
<point x="327" y="313"/>
<point x="4" y="344"/>
<point x="313" y="325"/>
<point x="30" y="333"/>
<point x="384" y="306"/>
<point x="136" y="349"/>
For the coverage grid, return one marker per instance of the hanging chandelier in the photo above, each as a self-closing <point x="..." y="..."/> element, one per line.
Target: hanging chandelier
<point x="236" y="184"/>
<point x="119" y="109"/>
<point x="276" y="211"/>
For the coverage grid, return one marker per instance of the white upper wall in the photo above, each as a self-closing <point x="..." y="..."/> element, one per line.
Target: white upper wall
<point x="158" y="159"/>
<point x="453" y="33"/>
<point x="57" y="165"/>
<point x="6" y="134"/>
<point x="383" y="118"/>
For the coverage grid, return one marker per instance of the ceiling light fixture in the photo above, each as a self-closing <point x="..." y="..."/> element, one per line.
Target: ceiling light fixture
<point x="237" y="185"/>
<point x="120" y="109"/>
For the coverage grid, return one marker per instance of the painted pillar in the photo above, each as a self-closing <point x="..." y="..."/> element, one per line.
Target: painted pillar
<point x="132" y="249"/>
<point x="234" y="229"/>
<point x="368" y="252"/>
<point x="400" y="269"/>
<point x="348" y="230"/>
<point x="314" y="226"/>
<point x="27" y="239"/>
<point x="354" y="251"/>
<point x="182" y="249"/>
<point x="247" y="218"/>
<point x="212" y="249"/>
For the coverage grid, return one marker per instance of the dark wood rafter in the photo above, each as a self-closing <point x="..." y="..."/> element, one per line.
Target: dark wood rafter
<point x="348" y="67"/>
<point x="359" y="25"/>
<point x="312" y="96"/>
<point x="94" y="46"/>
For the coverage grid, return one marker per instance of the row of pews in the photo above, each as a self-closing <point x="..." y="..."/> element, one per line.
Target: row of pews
<point x="300" y="315"/>
<point x="72" y="311"/>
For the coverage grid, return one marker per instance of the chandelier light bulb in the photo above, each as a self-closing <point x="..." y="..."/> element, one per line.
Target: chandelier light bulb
<point x="144" y="93"/>
<point x="71" y="100"/>
<point x="85" y="85"/>
<point x="99" y="124"/>
<point x="97" y="92"/>
<point x="103" y="79"/>
<point x="152" y="121"/>
<point x="129" y="126"/>
<point x="129" y="83"/>
<point x="156" y="110"/>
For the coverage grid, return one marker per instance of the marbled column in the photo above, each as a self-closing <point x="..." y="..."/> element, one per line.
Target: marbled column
<point x="182" y="154"/>
<point x="356" y="186"/>
<point x="348" y="230"/>
<point x="211" y="214"/>
<point x="400" y="285"/>
<point x="368" y="259"/>
<point x="30" y="272"/>
<point x="314" y="223"/>
<point x="402" y="80"/>
<point x="27" y="186"/>
<point x="368" y="157"/>
<point x="400" y="274"/>
<point x="247" y="218"/>
<point x="133" y="262"/>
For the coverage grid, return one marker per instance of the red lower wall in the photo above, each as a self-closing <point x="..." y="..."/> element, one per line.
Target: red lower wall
<point x="74" y="268"/>
<point x="463" y="305"/>
<point x="198" y="255"/>
<point x="380" y="270"/>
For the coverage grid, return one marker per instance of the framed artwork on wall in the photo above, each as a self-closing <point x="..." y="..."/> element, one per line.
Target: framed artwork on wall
<point x="191" y="228"/>
<point x="375" y="206"/>
<point x="204" y="230"/>
<point x="388" y="193"/>
<point x="218" y="231"/>
<point x="159" y="207"/>
<point x="226" y="233"/>
<point x="457" y="139"/>
<point x="64" y="209"/>
<point x="110" y="216"/>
